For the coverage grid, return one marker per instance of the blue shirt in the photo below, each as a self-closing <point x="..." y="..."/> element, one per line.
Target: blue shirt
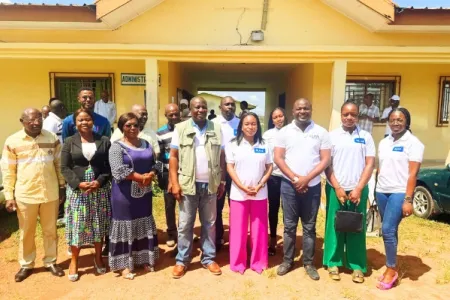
<point x="101" y="126"/>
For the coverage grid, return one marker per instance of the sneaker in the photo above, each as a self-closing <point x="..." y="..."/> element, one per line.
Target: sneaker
<point x="283" y="269"/>
<point x="312" y="272"/>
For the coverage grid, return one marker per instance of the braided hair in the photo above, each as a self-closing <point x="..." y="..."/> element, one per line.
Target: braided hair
<point x="407" y="115"/>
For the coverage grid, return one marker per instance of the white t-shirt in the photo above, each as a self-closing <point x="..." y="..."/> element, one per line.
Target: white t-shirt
<point x="228" y="128"/>
<point x="269" y="137"/>
<point x="394" y="157"/>
<point x="250" y="164"/>
<point x="53" y="123"/>
<point x="348" y="155"/>
<point x="201" y="160"/>
<point x="108" y="110"/>
<point x="303" y="148"/>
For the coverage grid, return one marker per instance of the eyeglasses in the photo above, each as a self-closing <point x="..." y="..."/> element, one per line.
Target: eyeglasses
<point x="132" y="125"/>
<point x="87" y="97"/>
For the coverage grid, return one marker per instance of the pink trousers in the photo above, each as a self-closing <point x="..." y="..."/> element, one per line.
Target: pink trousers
<point x="240" y="213"/>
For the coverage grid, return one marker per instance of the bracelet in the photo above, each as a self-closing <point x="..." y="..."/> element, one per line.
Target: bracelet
<point x="408" y="199"/>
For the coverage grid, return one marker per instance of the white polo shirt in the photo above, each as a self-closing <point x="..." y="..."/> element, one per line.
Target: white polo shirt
<point x="201" y="160"/>
<point x="269" y="137"/>
<point x="303" y="148"/>
<point x="228" y="128"/>
<point x="348" y="155"/>
<point x="250" y="164"/>
<point x="53" y="123"/>
<point x="394" y="157"/>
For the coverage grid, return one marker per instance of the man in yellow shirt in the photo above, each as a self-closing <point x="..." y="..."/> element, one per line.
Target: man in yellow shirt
<point x="33" y="185"/>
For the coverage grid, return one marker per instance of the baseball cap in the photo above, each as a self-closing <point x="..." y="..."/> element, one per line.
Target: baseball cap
<point x="395" y="98"/>
<point x="184" y="101"/>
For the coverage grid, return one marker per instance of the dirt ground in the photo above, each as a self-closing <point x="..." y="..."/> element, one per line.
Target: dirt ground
<point x="424" y="258"/>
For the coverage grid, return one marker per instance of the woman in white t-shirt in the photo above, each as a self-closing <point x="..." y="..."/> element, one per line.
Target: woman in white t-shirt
<point x="249" y="164"/>
<point x="278" y="120"/>
<point x="400" y="155"/>
<point x="352" y="161"/>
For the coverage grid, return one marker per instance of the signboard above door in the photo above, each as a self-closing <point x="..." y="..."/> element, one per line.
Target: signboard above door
<point x="132" y="79"/>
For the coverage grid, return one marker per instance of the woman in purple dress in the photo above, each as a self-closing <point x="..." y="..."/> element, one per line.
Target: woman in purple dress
<point x="133" y="239"/>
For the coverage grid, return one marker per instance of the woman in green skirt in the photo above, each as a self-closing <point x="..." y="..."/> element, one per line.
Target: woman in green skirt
<point x="352" y="162"/>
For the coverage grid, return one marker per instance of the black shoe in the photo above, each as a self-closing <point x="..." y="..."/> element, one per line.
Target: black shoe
<point x="23" y="274"/>
<point x="312" y="272"/>
<point x="283" y="269"/>
<point x="55" y="270"/>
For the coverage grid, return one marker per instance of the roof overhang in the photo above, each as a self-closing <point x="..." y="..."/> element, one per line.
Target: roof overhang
<point x="385" y="16"/>
<point x="104" y="15"/>
<point x="115" y="13"/>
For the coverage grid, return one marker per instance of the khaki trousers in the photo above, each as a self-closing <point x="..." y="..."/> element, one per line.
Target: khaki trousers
<point x="27" y="215"/>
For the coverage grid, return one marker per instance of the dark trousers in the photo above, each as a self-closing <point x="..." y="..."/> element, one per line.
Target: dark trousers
<point x="220" y="206"/>
<point x="273" y="187"/>
<point x="170" y="204"/>
<point x="304" y="207"/>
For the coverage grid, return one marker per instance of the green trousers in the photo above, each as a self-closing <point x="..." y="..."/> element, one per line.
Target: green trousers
<point x="342" y="248"/>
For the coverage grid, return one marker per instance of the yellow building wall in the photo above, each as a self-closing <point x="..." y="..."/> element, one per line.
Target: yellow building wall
<point x="300" y="83"/>
<point x="214" y="22"/>
<point x="25" y="83"/>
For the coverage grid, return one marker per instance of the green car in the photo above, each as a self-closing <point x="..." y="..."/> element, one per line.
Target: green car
<point x="432" y="193"/>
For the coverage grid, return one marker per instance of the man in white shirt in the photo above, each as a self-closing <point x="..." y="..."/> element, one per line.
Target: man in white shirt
<point x="368" y="114"/>
<point x="105" y="107"/>
<point x="394" y="103"/>
<point x="145" y="133"/>
<point x="53" y="122"/>
<point x="228" y="126"/>
<point x="302" y="152"/>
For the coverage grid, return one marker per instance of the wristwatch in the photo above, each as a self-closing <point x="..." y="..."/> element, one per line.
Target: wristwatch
<point x="408" y="199"/>
<point x="295" y="179"/>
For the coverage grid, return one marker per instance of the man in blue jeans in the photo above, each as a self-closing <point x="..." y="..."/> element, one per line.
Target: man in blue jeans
<point x="197" y="173"/>
<point x="302" y="152"/>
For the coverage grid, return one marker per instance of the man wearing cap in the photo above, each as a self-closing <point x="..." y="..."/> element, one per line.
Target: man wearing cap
<point x="184" y="108"/>
<point x="394" y="102"/>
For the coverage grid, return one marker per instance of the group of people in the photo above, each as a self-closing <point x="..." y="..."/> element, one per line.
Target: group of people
<point x="198" y="164"/>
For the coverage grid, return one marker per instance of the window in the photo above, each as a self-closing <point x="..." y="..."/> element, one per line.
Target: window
<point x="64" y="86"/>
<point x="444" y="101"/>
<point x="382" y="88"/>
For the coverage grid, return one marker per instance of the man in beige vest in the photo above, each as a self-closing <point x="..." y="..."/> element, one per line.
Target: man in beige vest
<point x="197" y="174"/>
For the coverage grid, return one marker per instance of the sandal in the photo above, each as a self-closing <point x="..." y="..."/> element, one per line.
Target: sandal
<point x="387" y="286"/>
<point x="333" y="272"/>
<point x="128" y="275"/>
<point x="358" y="276"/>
<point x="149" y="268"/>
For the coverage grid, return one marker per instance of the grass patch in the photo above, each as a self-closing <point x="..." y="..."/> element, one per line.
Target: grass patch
<point x="444" y="276"/>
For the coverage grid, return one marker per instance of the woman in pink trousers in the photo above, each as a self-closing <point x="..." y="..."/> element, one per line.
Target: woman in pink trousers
<point x="249" y="163"/>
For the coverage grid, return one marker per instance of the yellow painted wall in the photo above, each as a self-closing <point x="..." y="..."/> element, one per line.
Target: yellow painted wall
<point x="300" y="82"/>
<point x="213" y="22"/>
<point x="25" y="83"/>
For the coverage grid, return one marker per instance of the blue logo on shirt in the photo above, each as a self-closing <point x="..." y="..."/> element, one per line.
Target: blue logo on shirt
<point x="260" y="150"/>
<point x="235" y="132"/>
<point x="398" y="149"/>
<point x="360" y="140"/>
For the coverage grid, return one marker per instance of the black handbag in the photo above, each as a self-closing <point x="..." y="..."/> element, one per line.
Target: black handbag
<point x="348" y="221"/>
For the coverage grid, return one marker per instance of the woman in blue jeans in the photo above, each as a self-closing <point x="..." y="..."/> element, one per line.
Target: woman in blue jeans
<point x="400" y="155"/>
